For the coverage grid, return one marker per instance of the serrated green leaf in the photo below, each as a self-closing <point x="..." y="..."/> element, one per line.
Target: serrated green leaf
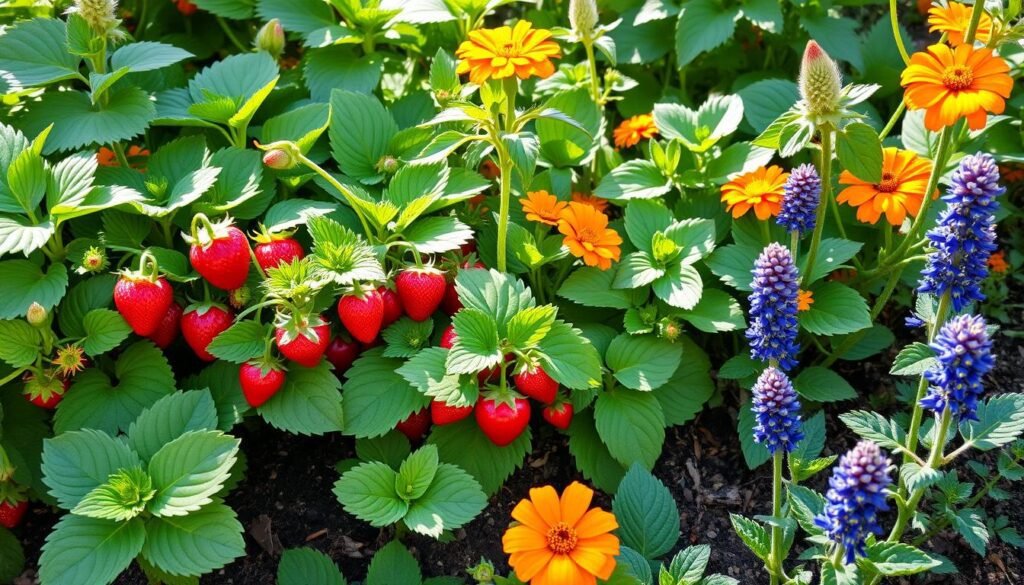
<point x="88" y="550"/>
<point x="703" y="25"/>
<point x="308" y="404"/>
<point x="306" y="566"/>
<point x="592" y="287"/>
<point x="823" y="385"/>
<point x="643" y="362"/>
<point x="860" y="151"/>
<point x="569" y="358"/>
<point x="34" y="53"/>
<point x="189" y="470"/>
<point x="895" y="559"/>
<point x="125" y="113"/>
<point x="632" y="426"/>
<point x="837" y="309"/>
<point x="104" y="330"/>
<point x="393" y="564"/>
<point x="1000" y="421"/>
<point x="427" y="372"/>
<point x="122" y="497"/>
<point x="416" y="473"/>
<point x="453" y="499"/>
<point x="634" y="179"/>
<point x="21" y="345"/>
<point x="196" y="544"/>
<point x="464" y="444"/>
<point x="873" y="426"/>
<point x="367" y="491"/>
<point x="76" y="462"/>
<point x="25" y="283"/>
<point x="360" y="130"/>
<point x="647" y="514"/>
<point x="241" y="342"/>
<point x="147" y="56"/>
<point x="914" y="360"/>
<point x="376" y="397"/>
<point x="755" y="454"/>
<point x="752" y="534"/>
<point x="169" y="418"/>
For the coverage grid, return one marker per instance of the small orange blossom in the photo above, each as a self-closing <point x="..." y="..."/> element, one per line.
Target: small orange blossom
<point x="588" y="236"/>
<point x="760" y="190"/>
<point x="954" y="20"/>
<point x="804" y="300"/>
<point x="632" y="130"/>
<point x="543" y="207"/>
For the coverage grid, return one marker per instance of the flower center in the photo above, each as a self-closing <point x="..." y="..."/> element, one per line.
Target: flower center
<point x="888" y="184"/>
<point x="508" y="50"/>
<point x="585" y="234"/>
<point x="957" y="77"/>
<point x="561" y="538"/>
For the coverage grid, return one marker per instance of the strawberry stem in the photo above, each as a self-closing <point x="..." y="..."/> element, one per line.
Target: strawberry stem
<point x="148" y="260"/>
<point x="201" y="221"/>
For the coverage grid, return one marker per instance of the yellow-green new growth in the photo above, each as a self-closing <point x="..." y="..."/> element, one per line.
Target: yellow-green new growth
<point x="821" y="83"/>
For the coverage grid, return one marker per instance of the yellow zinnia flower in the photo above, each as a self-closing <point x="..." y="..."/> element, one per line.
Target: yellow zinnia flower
<point x="899" y="193"/>
<point x="950" y="84"/>
<point x="632" y="130"/>
<point x="588" y="236"/>
<point x="954" y="20"/>
<point x="543" y="207"/>
<point x="559" y="541"/>
<point x="760" y="190"/>
<point x="502" y="52"/>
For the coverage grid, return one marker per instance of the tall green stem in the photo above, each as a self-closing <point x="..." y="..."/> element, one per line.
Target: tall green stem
<point x="922" y="387"/>
<point x="895" y="22"/>
<point x="777" y="572"/>
<point x="825" y="172"/>
<point x="350" y="198"/>
<point x="595" y="89"/>
<point x="505" y="190"/>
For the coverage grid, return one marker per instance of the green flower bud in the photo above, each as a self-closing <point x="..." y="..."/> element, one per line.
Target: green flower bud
<point x="821" y="84"/>
<point x="387" y="164"/>
<point x="583" y="17"/>
<point x="99" y="14"/>
<point x="282" y="155"/>
<point x="239" y="297"/>
<point x="483" y="572"/>
<point x="36" y="315"/>
<point x="94" y="260"/>
<point x="270" y="38"/>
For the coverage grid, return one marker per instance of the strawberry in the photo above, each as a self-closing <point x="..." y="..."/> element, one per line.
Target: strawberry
<point x="448" y="337"/>
<point x="45" y="390"/>
<point x="143" y="300"/>
<point x="415" y="426"/>
<point x="392" y="306"/>
<point x="201" y="324"/>
<point x="342" y="353"/>
<point x="559" y="415"/>
<point x="11" y="514"/>
<point x="303" y="341"/>
<point x="169" y="328"/>
<point x="260" y="381"/>
<point x="220" y="252"/>
<point x="503" y="419"/>
<point x="362" y="314"/>
<point x="536" y="384"/>
<point x="442" y="414"/>
<point x="273" y="249"/>
<point x="421" y="291"/>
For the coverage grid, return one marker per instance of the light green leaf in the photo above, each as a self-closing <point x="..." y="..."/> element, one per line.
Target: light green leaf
<point x="860" y="151"/>
<point x="25" y="283"/>
<point x="837" y="309"/>
<point x="189" y="470"/>
<point x="703" y="25"/>
<point x="76" y="462"/>
<point x="453" y="499"/>
<point x="147" y="56"/>
<point x="895" y="559"/>
<point x="196" y="544"/>
<point x="643" y="362"/>
<point x="94" y="401"/>
<point x="169" y="418"/>
<point x="367" y="491"/>
<point x="566" y="145"/>
<point x="87" y="550"/>
<point x="465" y="445"/>
<point x="832" y="254"/>
<point x="715" y="312"/>
<point x="527" y="328"/>
<point x="241" y="342"/>
<point x="21" y="343"/>
<point x="35" y="53"/>
<point x="434" y="235"/>
<point x="104" y="330"/>
<point x="592" y="287"/>
<point x="733" y="265"/>
<point x="233" y="9"/>
<point x="914" y="360"/>
<point x="20" y="234"/>
<point x="632" y="425"/>
<point x="681" y="286"/>
<point x="647" y="514"/>
<point x="591" y="455"/>
<point x="426" y="371"/>
<point x="393" y="564"/>
<point x="416" y="473"/>
<point x="122" y="497"/>
<point x="308" y="404"/>
<point x="766" y="100"/>
<point x="376" y="397"/>
<point x="477" y="346"/>
<point x="873" y="426"/>
<point x="633" y="179"/>
<point x="752" y="534"/>
<point x="339" y="67"/>
<point x="306" y="566"/>
<point x="360" y="131"/>
<point x="823" y="385"/>
<point x="77" y="122"/>
<point x="569" y="358"/>
<point x="1000" y="421"/>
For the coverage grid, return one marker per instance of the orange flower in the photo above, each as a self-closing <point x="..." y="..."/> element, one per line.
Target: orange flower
<point x="804" y="300"/>
<point x="588" y="199"/>
<point x="136" y="156"/>
<point x="543" y="207"/>
<point x="761" y="190"/>
<point x="559" y="541"/>
<point x="489" y="170"/>
<point x="1011" y="173"/>
<point x="954" y="21"/>
<point x="843" y="275"/>
<point x="901" y="191"/>
<point x="588" y="236"/>
<point x="497" y="53"/>
<point x="950" y="84"/>
<point x="997" y="262"/>
<point x="632" y="130"/>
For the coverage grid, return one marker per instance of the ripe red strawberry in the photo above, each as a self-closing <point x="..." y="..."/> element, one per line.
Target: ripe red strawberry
<point x="220" y="252"/>
<point x="392" y="306"/>
<point x="273" y="249"/>
<point x="142" y="300"/>
<point x="169" y="328"/>
<point x="559" y="415"/>
<point x="362" y="315"/>
<point x="201" y="324"/>
<point x="536" y="384"/>
<point x="421" y="291"/>
<point x="260" y="381"/>
<point x="342" y="353"/>
<point x="415" y="426"/>
<point x="45" y="390"/>
<point x="304" y="344"/>
<point x="503" y="420"/>
<point x="442" y="414"/>
<point x="448" y="337"/>
<point x="11" y="514"/>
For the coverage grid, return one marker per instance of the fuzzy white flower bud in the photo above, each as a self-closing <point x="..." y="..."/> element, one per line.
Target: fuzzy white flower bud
<point x="821" y="83"/>
<point x="583" y="17"/>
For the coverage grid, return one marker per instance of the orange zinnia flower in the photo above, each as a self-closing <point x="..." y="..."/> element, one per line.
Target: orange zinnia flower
<point x="954" y="21"/>
<point x="136" y="156"/>
<point x="760" y="190"/>
<point x="632" y="130"/>
<point x="901" y="191"/>
<point x="997" y="262"/>
<point x="543" y="207"/>
<point x="804" y="300"/>
<point x="588" y="236"/>
<point x="950" y="84"/>
<point x="502" y="52"/>
<point x="560" y="541"/>
<point x="588" y="199"/>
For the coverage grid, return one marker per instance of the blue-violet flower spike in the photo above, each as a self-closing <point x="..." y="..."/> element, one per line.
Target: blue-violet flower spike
<point x="802" y="193"/>
<point x="964" y="237"/>
<point x="856" y="495"/>
<point x="964" y="352"/>
<point x="773" y="307"/>
<point x="776" y="409"/>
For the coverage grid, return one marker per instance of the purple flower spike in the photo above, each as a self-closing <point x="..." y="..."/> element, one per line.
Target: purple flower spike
<point x="776" y="409"/>
<point x="802" y="194"/>
<point x="856" y="495"/>
<point x="965" y="236"/>
<point x="964" y="352"/>
<point x="773" y="307"/>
